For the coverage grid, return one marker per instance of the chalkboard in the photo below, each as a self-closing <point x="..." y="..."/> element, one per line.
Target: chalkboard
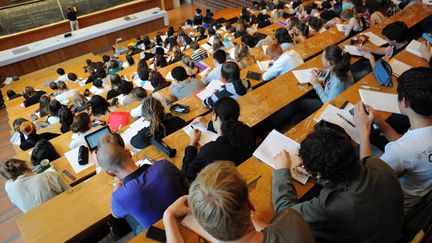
<point x="32" y="15"/>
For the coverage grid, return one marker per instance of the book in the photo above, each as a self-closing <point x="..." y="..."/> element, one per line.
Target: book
<point x="380" y="101"/>
<point x="206" y="135"/>
<point x="201" y="65"/>
<point x="264" y="65"/>
<point x="376" y="40"/>
<point x="209" y="90"/>
<point x="341" y="27"/>
<point x="419" y="49"/>
<point x="399" y="67"/>
<point x="273" y="144"/>
<point x="303" y="76"/>
<point x="353" y="50"/>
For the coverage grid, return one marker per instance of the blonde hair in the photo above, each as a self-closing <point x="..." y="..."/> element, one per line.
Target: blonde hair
<point x="219" y="201"/>
<point x="10" y="169"/>
<point x="78" y="99"/>
<point x="241" y="51"/>
<point x="176" y="51"/>
<point x="27" y="128"/>
<point x="188" y="62"/>
<point x="240" y="27"/>
<point x="153" y="111"/>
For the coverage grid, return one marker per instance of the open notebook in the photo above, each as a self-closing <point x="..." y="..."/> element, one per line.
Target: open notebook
<point x="380" y="101"/>
<point x="206" y="135"/>
<point x="209" y="90"/>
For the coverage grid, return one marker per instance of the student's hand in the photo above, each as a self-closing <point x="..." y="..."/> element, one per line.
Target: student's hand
<point x="200" y="120"/>
<point x="366" y="54"/>
<point x="379" y="116"/>
<point x="282" y="160"/>
<point x="178" y="209"/>
<point x="195" y="137"/>
<point x="362" y="119"/>
<point x="315" y="77"/>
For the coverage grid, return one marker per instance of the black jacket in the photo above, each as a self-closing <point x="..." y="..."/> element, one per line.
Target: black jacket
<point x="32" y="139"/>
<point x="34" y="99"/>
<point x="194" y="162"/>
<point x="171" y="123"/>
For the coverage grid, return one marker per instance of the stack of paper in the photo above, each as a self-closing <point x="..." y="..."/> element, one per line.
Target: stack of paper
<point x="273" y="144"/>
<point x="376" y="40"/>
<point x="303" y="76"/>
<point x="206" y="135"/>
<point x="399" y="67"/>
<point x="418" y="49"/>
<point x="353" y="50"/>
<point x="209" y="90"/>
<point x="380" y="101"/>
<point x="341" y="27"/>
<point x="339" y="117"/>
<point x="264" y="65"/>
<point x="72" y="157"/>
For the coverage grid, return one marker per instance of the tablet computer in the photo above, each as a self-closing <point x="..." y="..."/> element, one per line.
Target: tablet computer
<point x="92" y="139"/>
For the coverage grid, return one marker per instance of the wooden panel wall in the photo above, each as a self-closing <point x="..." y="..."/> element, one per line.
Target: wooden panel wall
<point x="51" y="58"/>
<point x="44" y="32"/>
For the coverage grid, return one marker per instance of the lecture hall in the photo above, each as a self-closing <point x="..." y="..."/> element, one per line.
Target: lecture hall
<point x="330" y="100"/>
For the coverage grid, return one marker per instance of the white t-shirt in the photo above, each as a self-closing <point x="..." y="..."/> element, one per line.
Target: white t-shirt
<point x="411" y="158"/>
<point x="27" y="192"/>
<point x="78" y="139"/>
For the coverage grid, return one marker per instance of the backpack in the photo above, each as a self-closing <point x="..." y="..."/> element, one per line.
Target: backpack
<point x="383" y="73"/>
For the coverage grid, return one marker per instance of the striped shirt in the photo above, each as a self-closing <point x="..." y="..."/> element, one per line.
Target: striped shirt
<point x="199" y="55"/>
<point x="227" y="90"/>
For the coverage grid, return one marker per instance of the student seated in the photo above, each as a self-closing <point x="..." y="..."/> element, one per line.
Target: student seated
<point x="300" y="32"/>
<point x="80" y="127"/>
<point x="182" y="85"/>
<point x="44" y="106"/>
<point x="236" y="141"/>
<point x="124" y="88"/>
<point x="397" y="36"/>
<point x="114" y="67"/>
<point x="189" y="66"/>
<point x="99" y="106"/>
<point x="27" y="190"/>
<point x="115" y="81"/>
<point x="43" y="150"/>
<point x="66" y="118"/>
<point x="355" y="24"/>
<point x="336" y="75"/>
<point x="283" y="38"/>
<point x="157" y="81"/>
<point x="242" y="56"/>
<point x="63" y="76"/>
<point x="137" y="94"/>
<point x="54" y="108"/>
<point x="218" y="199"/>
<point x="29" y="137"/>
<point x="177" y="55"/>
<point x="219" y="58"/>
<point x="283" y="62"/>
<point x="199" y="54"/>
<point x="409" y="154"/>
<point x="361" y="200"/>
<point x="316" y="26"/>
<point x="17" y="135"/>
<point x="98" y="87"/>
<point x="161" y="123"/>
<point x="234" y="87"/>
<point x="145" y="192"/>
<point x="31" y="96"/>
<point x="79" y="102"/>
<point x="198" y="18"/>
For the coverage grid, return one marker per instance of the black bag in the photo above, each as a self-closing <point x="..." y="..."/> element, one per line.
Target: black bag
<point x="83" y="155"/>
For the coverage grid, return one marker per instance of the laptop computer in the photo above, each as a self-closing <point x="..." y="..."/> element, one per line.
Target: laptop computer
<point x="92" y="139"/>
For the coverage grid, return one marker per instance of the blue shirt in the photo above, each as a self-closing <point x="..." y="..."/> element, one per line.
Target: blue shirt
<point x="147" y="192"/>
<point x="332" y="86"/>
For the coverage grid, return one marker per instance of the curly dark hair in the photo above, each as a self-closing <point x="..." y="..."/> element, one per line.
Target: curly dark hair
<point x="329" y="153"/>
<point x="415" y="85"/>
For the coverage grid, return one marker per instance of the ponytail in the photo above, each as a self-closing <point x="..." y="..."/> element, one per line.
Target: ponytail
<point x="340" y="61"/>
<point x="153" y="111"/>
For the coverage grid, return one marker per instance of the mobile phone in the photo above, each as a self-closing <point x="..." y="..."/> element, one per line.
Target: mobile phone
<point x="156" y="234"/>
<point x="253" y="75"/>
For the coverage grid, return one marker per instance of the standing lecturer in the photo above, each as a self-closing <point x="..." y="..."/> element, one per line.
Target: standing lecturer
<point x="72" y="16"/>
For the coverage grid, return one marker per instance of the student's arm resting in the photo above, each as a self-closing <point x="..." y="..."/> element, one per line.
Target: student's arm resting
<point x="283" y="192"/>
<point x="177" y="210"/>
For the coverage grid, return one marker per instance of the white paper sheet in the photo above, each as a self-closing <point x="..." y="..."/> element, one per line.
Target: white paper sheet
<point x="145" y="84"/>
<point x="205" y="46"/>
<point x="72" y="157"/>
<point x="353" y="50"/>
<point x="231" y="53"/>
<point x="209" y="90"/>
<point x="376" y="40"/>
<point x="169" y="77"/>
<point x="303" y="76"/>
<point x="264" y="65"/>
<point x="206" y="135"/>
<point x="273" y="144"/>
<point x="380" y="101"/>
<point x="399" y="67"/>
<point x="341" y="27"/>
<point x="418" y="49"/>
<point x="337" y="116"/>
